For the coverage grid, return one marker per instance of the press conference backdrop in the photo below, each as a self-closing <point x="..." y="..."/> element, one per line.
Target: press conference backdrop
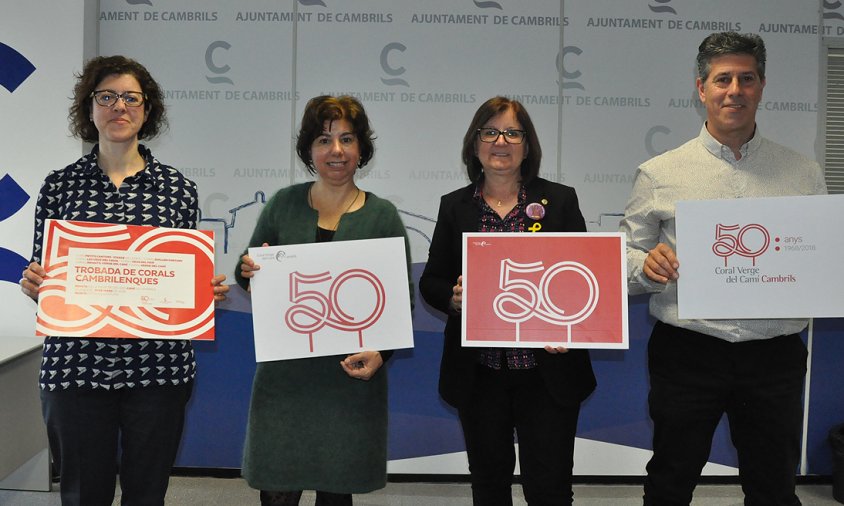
<point x="40" y="48"/>
<point x="608" y="85"/>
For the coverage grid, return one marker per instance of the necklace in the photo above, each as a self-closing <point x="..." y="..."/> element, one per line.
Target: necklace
<point x="337" y="223"/>
<point x="500" y="202"/>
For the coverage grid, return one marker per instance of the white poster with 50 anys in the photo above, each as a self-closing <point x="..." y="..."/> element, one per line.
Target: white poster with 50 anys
<point x="776" y="257"/>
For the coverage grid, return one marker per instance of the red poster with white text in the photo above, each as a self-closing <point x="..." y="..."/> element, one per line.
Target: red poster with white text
<point x="127" y="281"/>
<point x="550" y="289"/>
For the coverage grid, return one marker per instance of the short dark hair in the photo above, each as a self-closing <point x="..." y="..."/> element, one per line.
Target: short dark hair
<point x="328" y="108"/>
<point x="493" y="107"/>
<point x="724" y="43"/>
<point x="99" y="68"/>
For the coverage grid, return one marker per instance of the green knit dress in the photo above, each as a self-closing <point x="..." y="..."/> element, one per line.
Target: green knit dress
<point x="311" y="426"/>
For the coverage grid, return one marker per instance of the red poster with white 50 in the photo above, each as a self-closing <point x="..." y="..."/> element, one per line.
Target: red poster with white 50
<point x="551" y="289"/>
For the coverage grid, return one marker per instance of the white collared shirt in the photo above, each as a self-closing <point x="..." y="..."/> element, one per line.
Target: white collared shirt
<point x="704" y="169"/>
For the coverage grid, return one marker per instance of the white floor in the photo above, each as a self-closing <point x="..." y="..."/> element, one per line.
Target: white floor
<point x="190" y="491"/>
<point x="591" y="458"/>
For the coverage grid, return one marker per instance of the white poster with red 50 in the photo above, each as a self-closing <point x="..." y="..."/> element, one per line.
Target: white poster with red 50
<point x="550" y="289"/>
<point x="312" y="300"/>
<point x="773" y="257"/>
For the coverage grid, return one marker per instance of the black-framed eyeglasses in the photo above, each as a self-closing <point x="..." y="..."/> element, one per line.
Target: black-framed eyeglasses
<point x="511" y="136"/>
<point x="107" y="98"/>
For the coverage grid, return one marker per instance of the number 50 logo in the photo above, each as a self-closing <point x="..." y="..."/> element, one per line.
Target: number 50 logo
<point x="732" y="240"/>
<point x="536" y="300"/>
<point x="313" y="309"/>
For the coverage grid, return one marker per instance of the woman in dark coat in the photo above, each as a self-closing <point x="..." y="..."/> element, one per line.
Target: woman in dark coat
<point x="535" y="392"/>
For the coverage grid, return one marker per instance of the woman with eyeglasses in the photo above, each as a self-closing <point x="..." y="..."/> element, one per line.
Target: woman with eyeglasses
<point x="98" y="394"/>
<point x="533" y="392"/>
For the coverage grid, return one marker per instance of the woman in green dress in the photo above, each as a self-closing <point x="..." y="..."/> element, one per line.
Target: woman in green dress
<point x="321" y="423"/>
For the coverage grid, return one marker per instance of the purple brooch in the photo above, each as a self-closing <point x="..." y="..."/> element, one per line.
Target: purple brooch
<point x="535" y="211"/>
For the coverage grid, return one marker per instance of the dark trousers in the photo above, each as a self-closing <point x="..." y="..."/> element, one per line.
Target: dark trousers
<point x="508" y="400"/>
<point x="84" y="427"/>
<point x="695" y="379"/>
